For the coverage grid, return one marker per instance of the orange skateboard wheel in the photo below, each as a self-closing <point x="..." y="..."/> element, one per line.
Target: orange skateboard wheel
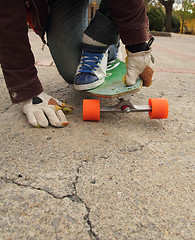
<point x="91" y="110"/>
<point x="160" y="108"/>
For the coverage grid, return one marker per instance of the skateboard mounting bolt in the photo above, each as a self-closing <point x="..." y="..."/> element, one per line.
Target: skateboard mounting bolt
<point x="126" y="109"/>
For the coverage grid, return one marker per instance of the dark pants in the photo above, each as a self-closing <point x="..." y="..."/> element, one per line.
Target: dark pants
<point x="67" y="22"/>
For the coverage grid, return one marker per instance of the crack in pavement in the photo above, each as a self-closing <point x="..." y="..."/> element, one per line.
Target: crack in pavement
<point x="73" y="197"/>
<point x="31" y="187"/>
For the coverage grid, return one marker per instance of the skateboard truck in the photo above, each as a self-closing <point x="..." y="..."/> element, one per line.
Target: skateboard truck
<point x="113" y="87"/>
<point x="126" y="106"/>
<point x="157" y="108"/>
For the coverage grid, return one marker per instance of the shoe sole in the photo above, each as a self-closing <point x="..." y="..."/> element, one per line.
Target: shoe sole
<point x="89" y="86"/>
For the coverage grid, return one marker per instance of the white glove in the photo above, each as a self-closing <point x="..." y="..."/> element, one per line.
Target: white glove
<point x="141" y="65"/>
<point x="42" y="110"/>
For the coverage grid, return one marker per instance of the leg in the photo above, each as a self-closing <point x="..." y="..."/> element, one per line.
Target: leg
<point x="100" y="33"/>
<point x="67" y="22"/>
<point x="102" y="28"/>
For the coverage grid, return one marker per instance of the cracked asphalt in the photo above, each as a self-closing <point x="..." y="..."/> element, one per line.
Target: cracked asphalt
<point x="125" y="177"/>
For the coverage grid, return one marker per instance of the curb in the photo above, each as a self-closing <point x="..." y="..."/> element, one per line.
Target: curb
<point x="162" y="34"/>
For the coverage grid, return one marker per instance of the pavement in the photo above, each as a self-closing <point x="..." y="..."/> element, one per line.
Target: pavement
<point x="124" y="177"/>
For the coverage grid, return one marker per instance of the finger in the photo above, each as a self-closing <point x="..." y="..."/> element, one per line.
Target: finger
<point x="41" y="118"/>
<point x="31" y="119"/>
<point x="62" y="117"/>
<point x="53" y="118"/>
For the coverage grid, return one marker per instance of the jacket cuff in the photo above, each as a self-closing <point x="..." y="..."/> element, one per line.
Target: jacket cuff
<point x="139" y="36"/>
<point x="102" y="29"/>
<point x="26" y="91"/>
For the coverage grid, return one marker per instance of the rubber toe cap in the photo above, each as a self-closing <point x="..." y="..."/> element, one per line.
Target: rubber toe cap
<point x="85" y="78"/>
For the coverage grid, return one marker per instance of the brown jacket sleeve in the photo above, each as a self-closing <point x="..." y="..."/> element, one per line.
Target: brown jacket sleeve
<point x="131" y="20"/>
<point x="16" y="58"/>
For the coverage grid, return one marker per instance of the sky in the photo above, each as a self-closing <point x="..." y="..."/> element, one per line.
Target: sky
<point x="177" y="6"/>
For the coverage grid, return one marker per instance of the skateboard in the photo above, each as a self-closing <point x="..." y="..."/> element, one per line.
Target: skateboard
<point x="113" y="87"/>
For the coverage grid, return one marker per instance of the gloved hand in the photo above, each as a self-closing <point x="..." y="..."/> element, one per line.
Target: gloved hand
<point x="140" y="64"/>
<point x="42" y="110"/>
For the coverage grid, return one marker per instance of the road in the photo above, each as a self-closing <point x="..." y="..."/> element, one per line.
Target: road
<point x="125" y="177"/>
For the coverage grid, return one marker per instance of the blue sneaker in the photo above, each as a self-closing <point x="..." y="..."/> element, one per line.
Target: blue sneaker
<point x="91" y="71"/>
<point x="113" y="52"/>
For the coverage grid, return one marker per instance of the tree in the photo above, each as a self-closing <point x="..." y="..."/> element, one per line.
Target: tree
<point x="168" y="4"/>
<point x="151" y="3"/>
<point x="148" y="2"/>
<point x="157" y="18"/>
<point x="186" y="12"/>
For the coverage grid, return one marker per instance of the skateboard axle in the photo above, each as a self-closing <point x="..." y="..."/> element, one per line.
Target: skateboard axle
<point x="126" y="106"/>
